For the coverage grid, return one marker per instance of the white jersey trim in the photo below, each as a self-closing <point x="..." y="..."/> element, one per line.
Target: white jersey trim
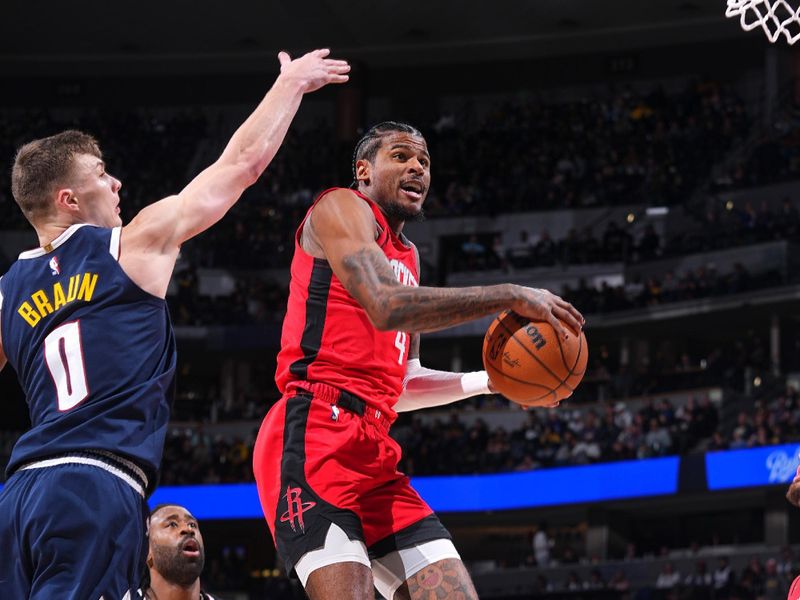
<point x="83" y="460"/>
<point x="114" y="246"/>
<point x="37" y="252"/>
<point x="1" y="296"/>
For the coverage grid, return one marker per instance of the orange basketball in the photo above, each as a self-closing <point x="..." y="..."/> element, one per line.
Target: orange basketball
<point x="528" y="363"/>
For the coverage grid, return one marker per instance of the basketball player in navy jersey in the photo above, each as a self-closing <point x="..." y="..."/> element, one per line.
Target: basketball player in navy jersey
<point x="341" y="514"/>
<point x="84" y="323"/>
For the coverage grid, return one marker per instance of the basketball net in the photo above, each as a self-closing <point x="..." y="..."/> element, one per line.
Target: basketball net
<point x="775" y="17"/>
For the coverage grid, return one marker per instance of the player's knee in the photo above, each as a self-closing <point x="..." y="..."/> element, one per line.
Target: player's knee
<point x="447" y="578"/>
<point x="326" y="583"/>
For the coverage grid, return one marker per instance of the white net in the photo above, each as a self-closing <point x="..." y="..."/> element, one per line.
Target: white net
<point x="775" y="17"/>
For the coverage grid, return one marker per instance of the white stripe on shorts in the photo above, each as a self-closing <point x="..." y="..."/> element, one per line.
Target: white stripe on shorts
<point x="83" y="460"/>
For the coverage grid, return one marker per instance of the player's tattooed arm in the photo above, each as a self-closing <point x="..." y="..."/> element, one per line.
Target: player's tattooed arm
<point x="413" y="348"/>
<point x="342" y="229"/>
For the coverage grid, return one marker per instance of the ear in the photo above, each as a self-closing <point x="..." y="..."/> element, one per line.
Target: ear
<point x="66" y="200"/>
<point x="363" y="170"/>
<point x="150" y="560"/>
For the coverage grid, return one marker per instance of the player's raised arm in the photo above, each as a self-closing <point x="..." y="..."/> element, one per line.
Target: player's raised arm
<point x="172" y="221"/>
<point x="343" y="228"/>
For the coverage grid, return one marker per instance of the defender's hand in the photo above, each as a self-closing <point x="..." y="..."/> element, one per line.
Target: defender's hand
<point x="541" y="305"/>
<point x="313" y="70"/>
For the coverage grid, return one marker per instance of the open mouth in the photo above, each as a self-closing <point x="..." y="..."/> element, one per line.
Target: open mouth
<point x="413" y="189"/>
<point x="191" y="548"/>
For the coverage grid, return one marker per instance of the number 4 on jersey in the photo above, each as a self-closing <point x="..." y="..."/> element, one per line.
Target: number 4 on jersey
<point x="64" y="358"/>
<point x="400" y="343"/>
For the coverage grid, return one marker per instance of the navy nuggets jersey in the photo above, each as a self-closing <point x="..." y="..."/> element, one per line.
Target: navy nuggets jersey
<point x="94" y="353"/>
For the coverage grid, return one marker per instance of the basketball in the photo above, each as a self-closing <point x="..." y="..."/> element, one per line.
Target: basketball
<point x="528" y="363"/>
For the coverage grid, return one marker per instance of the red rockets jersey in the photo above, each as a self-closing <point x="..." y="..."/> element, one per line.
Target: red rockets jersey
<point x="327" y="336"/>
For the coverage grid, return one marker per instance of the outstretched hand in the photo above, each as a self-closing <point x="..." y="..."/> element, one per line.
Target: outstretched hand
<point x="314" y="70"/>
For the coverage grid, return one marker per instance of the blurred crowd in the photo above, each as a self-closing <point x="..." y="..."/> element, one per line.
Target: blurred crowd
<point x="523" y="153"/>
<point x="620" y="147"/>
<point x="702" y="282"/>
<point x="546" y="438"/>
<point x="555" y="438"/>
<point x="721" y="225"/>
<point x="149" y="151"/>
<point x="709" y="578"/>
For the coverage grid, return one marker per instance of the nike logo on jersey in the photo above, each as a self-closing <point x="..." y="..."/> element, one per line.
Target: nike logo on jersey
<point x="45" y="302"/>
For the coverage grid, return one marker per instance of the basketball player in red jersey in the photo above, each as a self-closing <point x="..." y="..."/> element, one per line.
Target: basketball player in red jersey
<point x="341" y="514"/>
<point x="793" y="496"/>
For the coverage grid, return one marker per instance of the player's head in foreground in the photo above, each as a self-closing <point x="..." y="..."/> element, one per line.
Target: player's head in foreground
<point x="392" y="167"/>
<point x="175" y="554"/>
<point x="62" y="180"/>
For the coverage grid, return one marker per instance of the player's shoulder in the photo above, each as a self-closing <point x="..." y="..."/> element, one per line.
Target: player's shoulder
<point x="341" y="203"/>
<point x="340" y="196"/>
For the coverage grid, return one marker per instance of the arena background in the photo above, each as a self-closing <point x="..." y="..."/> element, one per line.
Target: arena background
<point x="639" y="158"/>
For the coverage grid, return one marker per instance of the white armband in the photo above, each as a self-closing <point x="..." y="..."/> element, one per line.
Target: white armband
<point x="423" y="388"/>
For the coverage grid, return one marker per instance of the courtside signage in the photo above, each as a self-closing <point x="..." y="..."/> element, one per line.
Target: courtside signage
<point x="551" y="487"/>
<point x="461" y="493"/>
<point x="466" y="493"/>
<point x="769" y="465"/>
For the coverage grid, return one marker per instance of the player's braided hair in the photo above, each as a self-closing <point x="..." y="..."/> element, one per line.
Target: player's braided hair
<point x="367" y="146"/>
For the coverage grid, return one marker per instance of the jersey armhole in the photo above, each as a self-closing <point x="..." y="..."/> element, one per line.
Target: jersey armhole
<point x="114" y="245"/>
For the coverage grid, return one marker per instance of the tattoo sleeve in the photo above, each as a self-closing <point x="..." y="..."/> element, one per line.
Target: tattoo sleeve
<point x="393" y="306"/>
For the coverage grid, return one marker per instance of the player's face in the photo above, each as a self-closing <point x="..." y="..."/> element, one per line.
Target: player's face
<point x="176" y="545"/>
<point x="401" y="175"/>
<point x="97" y="192"/>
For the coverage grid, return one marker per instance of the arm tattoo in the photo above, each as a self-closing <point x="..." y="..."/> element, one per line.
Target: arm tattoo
<point x="446" y="579"/>
<point x="369" y="279"/>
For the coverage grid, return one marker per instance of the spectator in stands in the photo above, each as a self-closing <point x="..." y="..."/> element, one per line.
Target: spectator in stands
<point x="773" y="586"/>
<point x="520" y="255"/>
<point x="541" y="545"/>
<point x="474" y="253"/>
<point x="785" y="566"/>
<point x="574" y="582"/>
<point x="668" y="578"/>
<point x="699" y="583"/>
<point x="723" y="577"/>
<point x="596" y="581"/>
<point x="619" y="582"/>
<point x="498" y="257"/>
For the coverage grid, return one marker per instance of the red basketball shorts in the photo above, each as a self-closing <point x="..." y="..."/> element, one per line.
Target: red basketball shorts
<point x="321" y="457"/>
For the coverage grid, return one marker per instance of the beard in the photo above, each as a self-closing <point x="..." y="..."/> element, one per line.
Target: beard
<point x="395" y="210"/>
<point x="176" y="567"/>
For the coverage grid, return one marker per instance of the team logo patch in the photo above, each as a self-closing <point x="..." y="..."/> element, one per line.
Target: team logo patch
<point x="54" y="268"/>
<point x="296" y="507"/>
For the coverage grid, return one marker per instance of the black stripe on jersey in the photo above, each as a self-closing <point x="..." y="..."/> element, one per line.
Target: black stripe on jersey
<point x="302" y="526"/>
<point x="316" y="310"/>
